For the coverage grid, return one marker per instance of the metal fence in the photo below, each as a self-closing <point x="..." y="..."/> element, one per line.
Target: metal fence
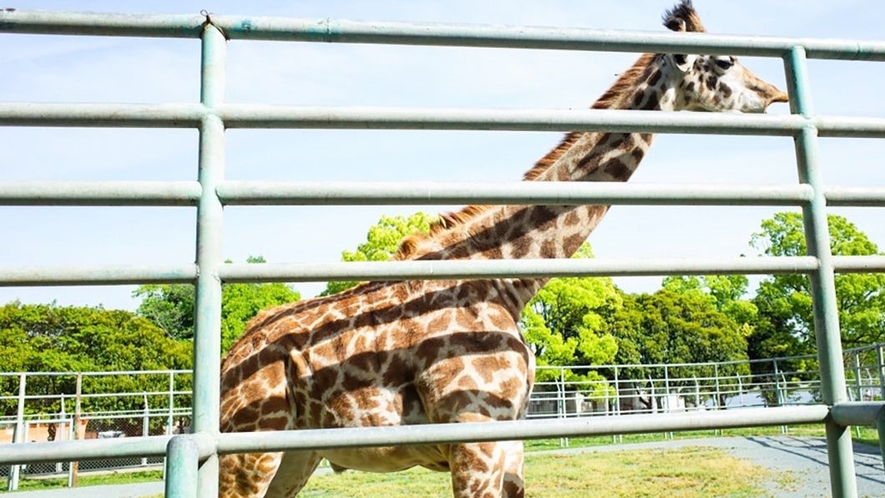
<point x="194" y="459"/>
<point x="53" y="405"/>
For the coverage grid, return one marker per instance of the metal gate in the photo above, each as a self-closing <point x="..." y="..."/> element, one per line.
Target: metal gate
<point x="193" y="459"/>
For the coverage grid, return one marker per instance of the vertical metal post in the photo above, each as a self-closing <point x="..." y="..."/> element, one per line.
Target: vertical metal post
<point x="777" y="387"/>
<point x="78" y="398"/>
<point x="560" y="404"/>
<point x="858" y="384"/>
<point x="880" y="427"/>
<point x="617" y="409"/>
<point x="71" y="436"/>
<point x="667" y="397"/>
<point x="823" y="284"/>
<point x="18" y="434"/>
<point x="718" y="392"/>
<point x="182" y="468"/>
<point x="880" y="361"/>
<point x="170" y="419"/>
<point x="145" y="426"/>
<point x="207" y="335"/>
<point x="60" y="433"/>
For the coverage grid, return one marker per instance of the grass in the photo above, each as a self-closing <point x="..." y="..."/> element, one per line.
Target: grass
<point x="123" y="477"/>
<point x="685" y="472"/>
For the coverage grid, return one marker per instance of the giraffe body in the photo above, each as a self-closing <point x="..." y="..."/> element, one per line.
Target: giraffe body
<point x="406" y="353"/>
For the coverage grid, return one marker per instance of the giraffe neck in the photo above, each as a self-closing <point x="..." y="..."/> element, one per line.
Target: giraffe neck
<point x="520" y="232"/>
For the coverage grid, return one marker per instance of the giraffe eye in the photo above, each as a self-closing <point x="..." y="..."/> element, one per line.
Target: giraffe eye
<point x="725" y="64"/>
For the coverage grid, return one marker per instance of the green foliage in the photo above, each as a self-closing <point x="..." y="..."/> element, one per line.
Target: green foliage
<point x="381" y="243"/>
<point x="50" y="338"/>
<point x="785" y="300"/>
<point x="785" y="321"/>
<point x="567" y="324"/>
<point x="171" y="307"/>
<point x="723" y="291"/>
<point x="670" y="327"/>
<point x="567" y="321"/>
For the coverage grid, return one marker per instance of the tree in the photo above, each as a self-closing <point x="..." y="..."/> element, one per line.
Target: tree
<point x="566" y="322"/>
<point x="785" y="322"/>
<point x="787" y="300"/>
<point x="670" y="327"/>
<point x="171" y="306"/>
<point x="50" y="338"/>
<point x="723" y="291"/>
<point x="381" y="243"/>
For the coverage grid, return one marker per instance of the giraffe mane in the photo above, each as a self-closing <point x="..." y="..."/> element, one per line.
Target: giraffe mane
<point x="408" y="248"/>
<point x="610" y="99"/>
<point x="683" y="17"/>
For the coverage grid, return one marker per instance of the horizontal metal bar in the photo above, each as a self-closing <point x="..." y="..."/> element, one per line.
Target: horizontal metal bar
<point x="463" y="35"/>
<point x="97" y="374"/>
<point x="849" y="126"/>
<point x="430" y="270"/>
<point x="266" y="116"/>
<point x="415" y="434"/>
<point x="859" y="264"/>
<point x="102" y="115"/>
<point x="344" y="117"/>
<point x="100" y="24"/>
<point x="565" y="193"/>
<point x="61" y="451"/>
<point x="855" y="196"/>
<point x="24" y="276"/>
<point x="858" y="413"/>
<point x="526" y="268"/>
<point x="523" y="429"/>
<point x="105" y="193"/>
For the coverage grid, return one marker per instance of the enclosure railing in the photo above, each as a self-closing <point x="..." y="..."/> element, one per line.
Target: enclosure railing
<point x="194" y="459"/>
<point x="60" y="406"/>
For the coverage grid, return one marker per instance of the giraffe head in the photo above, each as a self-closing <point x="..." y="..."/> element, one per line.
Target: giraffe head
<point x="711" y="82"/>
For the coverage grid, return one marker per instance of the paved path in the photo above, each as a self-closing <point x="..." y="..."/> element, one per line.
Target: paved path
<point x="804" y="457"/>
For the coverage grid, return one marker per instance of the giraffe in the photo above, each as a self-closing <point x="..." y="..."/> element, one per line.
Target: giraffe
<point x="418" y="352"/>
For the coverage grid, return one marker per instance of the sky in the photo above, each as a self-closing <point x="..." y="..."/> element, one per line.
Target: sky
<point x="133" y="70"/>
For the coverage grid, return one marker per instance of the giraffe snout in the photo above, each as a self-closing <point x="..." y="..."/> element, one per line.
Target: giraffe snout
<point x="779" y="96"/>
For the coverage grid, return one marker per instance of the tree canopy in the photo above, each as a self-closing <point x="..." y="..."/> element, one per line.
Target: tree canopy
<point x="381" y="243"/>
<point x="571" y="322"/>
<point x="171" y="306"/>
<point x="50" y="338"/>
<point x="785" y="300"/>
<point x="567" y="322"/>
<point x="669" y="327"/>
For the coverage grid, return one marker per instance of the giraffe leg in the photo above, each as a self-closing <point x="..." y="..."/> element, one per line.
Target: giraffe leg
<point x="514" y="473"/>
<point x="247" y="475"/>
<point x="294" y="471"/>
<point x="477" y="470"/>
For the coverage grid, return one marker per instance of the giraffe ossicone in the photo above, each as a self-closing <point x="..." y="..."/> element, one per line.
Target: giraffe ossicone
<point x="418" y="352"/>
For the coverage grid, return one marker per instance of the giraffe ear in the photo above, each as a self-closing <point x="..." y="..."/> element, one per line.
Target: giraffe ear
<point x="682" y="62"/>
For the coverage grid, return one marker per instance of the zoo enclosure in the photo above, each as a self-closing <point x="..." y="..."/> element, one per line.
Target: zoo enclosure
<point x="193" y="459"/>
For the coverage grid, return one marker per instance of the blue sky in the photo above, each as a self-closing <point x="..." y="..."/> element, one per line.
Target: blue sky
<point x="91" y="69"/>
